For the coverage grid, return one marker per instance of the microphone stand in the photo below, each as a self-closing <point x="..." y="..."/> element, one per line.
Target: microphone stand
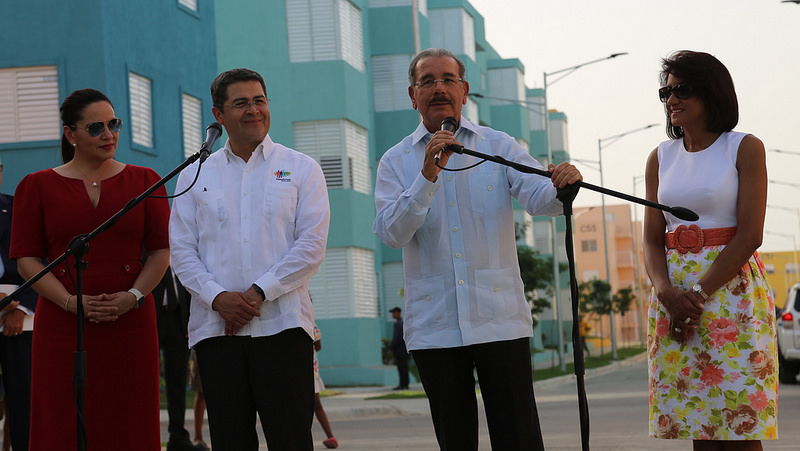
<point x="78" y="247"/>
<point x="566" y="196"/>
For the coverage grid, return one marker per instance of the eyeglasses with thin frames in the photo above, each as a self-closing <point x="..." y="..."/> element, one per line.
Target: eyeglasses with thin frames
<point x="682" y="91"/>
<point x="96" y="128"/>
<point x="447" y="82"/>
<point x="242" y="104"/>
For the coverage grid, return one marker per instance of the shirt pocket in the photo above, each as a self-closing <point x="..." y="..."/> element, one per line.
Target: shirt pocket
<point x="211" y="207"/>
<point x="497" y="293"/>
<point x="426" y="304"/>
<point x="486" y="195"/>
<point x="280" y="203"/>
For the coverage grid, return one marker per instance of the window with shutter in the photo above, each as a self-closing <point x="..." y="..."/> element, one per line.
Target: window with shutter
<point x="192" y="124"/>
<point x="325" y="30"/>
<point x="344" y="286"/>
<point x="29" y="104"/>
<point x="506" y="83"/>
<point x="390" y="82"/>
<point x="422" y="5"/>
<point x="190" y="4"/>
<point x="340" y="148"/>
<point x="141" y="109"/>
<point x="453" y="29"/>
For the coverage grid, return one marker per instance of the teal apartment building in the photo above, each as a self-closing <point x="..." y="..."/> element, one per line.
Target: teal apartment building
<point x="336" y="76"/>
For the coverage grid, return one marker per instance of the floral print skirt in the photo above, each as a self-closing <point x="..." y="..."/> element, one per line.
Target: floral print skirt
<point x="722" y="384"/>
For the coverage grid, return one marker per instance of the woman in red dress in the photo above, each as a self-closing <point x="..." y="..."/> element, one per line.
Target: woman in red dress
<point x="52" y="207"/>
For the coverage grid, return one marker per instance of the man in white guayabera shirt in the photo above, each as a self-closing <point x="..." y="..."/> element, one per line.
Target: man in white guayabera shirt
<point x="465" y="307"/>
<point x="245" y="240"/>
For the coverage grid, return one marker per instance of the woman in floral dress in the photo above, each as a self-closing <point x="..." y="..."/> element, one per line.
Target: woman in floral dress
<point x="711" y="340"/>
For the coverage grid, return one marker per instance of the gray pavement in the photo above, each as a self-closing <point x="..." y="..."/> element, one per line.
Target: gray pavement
<point x="618" y="410"/>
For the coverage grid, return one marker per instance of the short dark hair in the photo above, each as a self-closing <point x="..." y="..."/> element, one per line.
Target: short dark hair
<point x="219" y="87"/>
<point x="710" y="81"/>
<point x="72" y="111"/>
<point x="433" y="52"/>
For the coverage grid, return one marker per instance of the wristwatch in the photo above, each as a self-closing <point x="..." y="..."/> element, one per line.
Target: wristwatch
<point x="697" y="288"/>
<point x="139" y="297"/>
<point x="260" y="292"/>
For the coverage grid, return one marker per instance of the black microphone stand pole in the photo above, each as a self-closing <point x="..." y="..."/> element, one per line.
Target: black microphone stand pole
<point x="566" y="196"/>
<point x="78" y="247"/>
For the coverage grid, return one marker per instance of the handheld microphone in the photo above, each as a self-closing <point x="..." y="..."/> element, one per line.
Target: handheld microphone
<point x="449" y="124"/>
<point x="213" y="131"/>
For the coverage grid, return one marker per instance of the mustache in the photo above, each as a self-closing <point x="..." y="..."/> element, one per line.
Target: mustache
<point x="441" y="99"/>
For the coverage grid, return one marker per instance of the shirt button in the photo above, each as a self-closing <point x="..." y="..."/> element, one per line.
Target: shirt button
<point x="496" y="289"/>
<point x="427" y="298"/>
<point x="452" y="204"/>
<point x="449" y="177"/>
<point x="455" y="229"/>
<point x="483" y="138"/>
<point x="461" y="282"/>
<point x="458" y="254"/>
<point x="489" y="188"/>
<point x="407" y="151"/>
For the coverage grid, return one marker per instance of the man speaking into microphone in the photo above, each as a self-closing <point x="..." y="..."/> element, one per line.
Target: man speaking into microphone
<point x="465" y="307"/>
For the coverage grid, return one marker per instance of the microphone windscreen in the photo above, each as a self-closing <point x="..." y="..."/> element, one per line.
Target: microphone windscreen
<point x="449" y="124"/>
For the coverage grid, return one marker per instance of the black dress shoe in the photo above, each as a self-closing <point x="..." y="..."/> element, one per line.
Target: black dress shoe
<point x="185" y="445"/>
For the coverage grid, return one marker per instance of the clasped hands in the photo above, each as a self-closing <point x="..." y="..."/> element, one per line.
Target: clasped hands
<point x="13" y="318"/>
<point x="104" y="308"/>
<point x="237" y="308"/>
<point x="685" y="308"/>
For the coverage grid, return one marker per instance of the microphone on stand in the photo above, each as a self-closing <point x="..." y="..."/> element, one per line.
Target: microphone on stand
<point x="213" y="131"/>
<point x="449" y="124"/>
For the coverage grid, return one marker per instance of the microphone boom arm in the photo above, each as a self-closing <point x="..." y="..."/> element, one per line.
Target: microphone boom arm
<point x="678" y="212"/>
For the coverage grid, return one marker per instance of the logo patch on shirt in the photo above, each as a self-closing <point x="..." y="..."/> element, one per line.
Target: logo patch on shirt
<point x="282" y="176"/>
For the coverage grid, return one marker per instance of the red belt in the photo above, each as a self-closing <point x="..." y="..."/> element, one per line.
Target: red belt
<point x="693" y="238"/>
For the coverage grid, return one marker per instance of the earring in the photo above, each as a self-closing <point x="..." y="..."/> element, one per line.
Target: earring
<point x="74" y="144"/>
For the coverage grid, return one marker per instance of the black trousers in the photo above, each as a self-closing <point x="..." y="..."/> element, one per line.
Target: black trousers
<point x="272" y="376"/>
<point x="506" y="383"/>
<point x="175" y="350"/>
<point x="15" y="358"/>
<point x="402" y="369"/>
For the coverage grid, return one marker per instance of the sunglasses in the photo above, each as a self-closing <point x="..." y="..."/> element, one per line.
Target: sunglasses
<point x="96" y="128"/>
<point x="682" y="91"/>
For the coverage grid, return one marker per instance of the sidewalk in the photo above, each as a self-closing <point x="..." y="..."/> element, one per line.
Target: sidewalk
<point x="352" y="402"/>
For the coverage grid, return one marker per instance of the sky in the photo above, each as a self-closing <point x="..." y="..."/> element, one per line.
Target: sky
<point x="757" y="40"/>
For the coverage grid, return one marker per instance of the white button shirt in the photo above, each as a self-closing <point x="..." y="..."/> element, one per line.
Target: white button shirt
<point x="462" y="279"/>
<point x="264" y="221"/>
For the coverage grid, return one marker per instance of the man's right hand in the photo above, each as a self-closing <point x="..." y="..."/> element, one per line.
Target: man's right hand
<point x="236" y="309"/>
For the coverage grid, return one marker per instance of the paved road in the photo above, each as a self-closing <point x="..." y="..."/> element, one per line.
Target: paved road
<point x="617" y="407"/>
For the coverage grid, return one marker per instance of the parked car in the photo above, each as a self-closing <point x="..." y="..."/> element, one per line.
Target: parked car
<point x="789" y="337"/>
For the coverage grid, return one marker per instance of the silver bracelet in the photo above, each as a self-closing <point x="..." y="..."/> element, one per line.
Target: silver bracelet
<point x="66" y="303"/>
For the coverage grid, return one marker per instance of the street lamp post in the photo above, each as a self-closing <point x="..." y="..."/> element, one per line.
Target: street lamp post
<point x="636" y="270"/>
<point x="553" y="228"/>
<point x="611" y="140"/>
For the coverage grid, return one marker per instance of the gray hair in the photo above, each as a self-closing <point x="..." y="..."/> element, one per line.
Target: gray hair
<point x="435" y="53"/>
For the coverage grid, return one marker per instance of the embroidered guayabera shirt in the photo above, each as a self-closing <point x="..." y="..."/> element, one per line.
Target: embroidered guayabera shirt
<point x="264" y="221"/>
<point x="462" y="281"/>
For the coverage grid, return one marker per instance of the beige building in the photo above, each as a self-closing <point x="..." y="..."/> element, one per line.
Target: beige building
<point x="625" y="263"/>
<point x="781" y="273"/>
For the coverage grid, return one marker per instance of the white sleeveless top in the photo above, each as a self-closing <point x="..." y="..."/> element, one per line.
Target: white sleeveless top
<point x="706" y="182"/>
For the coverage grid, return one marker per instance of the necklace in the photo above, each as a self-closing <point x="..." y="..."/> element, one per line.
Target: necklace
<point x="95" y="184"/>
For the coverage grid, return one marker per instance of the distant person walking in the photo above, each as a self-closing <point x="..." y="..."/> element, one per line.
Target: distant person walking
<point x="398" y="347"/>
